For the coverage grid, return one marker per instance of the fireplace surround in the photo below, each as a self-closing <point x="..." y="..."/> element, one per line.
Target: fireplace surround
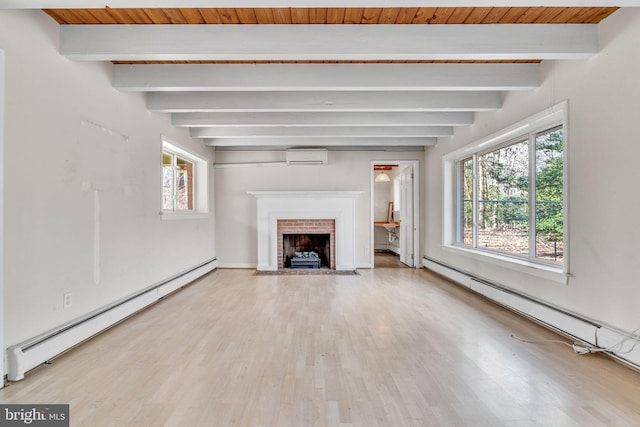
<point x="338" y="206"/>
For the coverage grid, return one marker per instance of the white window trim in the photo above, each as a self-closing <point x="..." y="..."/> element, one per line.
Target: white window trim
<point x="200" y="184"/>
<point x="558" y="114"/>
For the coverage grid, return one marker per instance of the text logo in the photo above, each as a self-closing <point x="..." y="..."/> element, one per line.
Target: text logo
<point x="34" y="415"/>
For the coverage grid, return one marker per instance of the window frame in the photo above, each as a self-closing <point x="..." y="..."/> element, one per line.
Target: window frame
<point x="528" y="129"/>
<point x="199" y="182"/>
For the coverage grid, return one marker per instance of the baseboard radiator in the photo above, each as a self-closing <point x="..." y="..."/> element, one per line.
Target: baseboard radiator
<point x="36" y="351"/>
<point x="564" y="322"/>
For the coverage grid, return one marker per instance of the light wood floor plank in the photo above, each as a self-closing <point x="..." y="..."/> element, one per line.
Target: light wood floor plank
<point x="388" y="347"/>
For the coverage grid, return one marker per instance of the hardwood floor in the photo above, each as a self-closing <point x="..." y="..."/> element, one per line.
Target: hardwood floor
<point x="388" y="347"/>
<point x="387" y="260"/>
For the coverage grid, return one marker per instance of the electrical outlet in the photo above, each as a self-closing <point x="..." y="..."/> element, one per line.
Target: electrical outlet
<point x="66" y="300"/>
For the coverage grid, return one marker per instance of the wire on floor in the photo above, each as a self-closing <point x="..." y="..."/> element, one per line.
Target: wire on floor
<point x="591" y="349"/>
<point x="577" y="348"/>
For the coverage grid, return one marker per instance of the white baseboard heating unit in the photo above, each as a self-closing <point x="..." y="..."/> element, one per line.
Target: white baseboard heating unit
<point x="36" y="351"/>
<point x="567" y="323"/>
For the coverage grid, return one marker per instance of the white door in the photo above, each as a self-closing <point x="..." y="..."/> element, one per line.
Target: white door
<point x="406" y="216"/>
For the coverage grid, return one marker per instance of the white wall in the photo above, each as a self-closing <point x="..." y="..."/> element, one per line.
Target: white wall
<point x="236" y="211"/>
<point x="604" y="109"/>
<point x="383" y="194"/>
<point x="82" y="202"/>
<point x="2" y="245"/>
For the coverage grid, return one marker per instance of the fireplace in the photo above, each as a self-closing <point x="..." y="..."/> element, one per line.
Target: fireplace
<point x="301" y="238"/>
<point x="312" y="208"/>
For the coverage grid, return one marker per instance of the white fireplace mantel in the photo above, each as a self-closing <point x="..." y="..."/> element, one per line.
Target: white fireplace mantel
<point x="275" y="205"/>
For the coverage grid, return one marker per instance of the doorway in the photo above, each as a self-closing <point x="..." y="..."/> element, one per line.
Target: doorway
<point x="395" y="212"/>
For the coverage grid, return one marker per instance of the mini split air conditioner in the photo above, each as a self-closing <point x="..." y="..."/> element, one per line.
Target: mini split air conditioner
<point x="307" y="156"/>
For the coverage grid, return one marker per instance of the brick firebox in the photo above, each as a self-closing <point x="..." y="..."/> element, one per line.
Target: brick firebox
<point x="307" y="226"/>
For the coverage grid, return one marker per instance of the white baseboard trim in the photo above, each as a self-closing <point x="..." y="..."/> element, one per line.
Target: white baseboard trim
<point x="563" y="321"/>
<point x="237" y="265"/>
<point x="37" y="350"/>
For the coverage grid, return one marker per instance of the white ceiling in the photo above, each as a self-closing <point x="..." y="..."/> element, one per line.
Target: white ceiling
<point x="285" y="105"/>
<point x="391" y="106"/>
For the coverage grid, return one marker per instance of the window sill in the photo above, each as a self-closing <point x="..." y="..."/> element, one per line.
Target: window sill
<point x="183" y="215"/>
<point x="551" y="273"/>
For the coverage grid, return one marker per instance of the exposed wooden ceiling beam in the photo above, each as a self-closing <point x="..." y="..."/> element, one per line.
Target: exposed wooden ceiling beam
<point x="324" y="132"/>
<point x="93" y="4"/>
<point x="328" y="42"/>
<point x="321" y="119"/>
<point x="289" y="77"/>
<point x="322" y="101"/>
<point x="321" y="142"/>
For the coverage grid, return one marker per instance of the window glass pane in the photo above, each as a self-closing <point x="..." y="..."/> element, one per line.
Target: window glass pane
<point x="184" y="184"/>
<point x="466" y="202"/>
<point x="549" y="197"/>
<point x="167" y="181"/>
<point x="503" y="180"/>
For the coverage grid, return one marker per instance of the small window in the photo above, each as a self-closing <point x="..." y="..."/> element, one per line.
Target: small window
<point x="507" y="192"/>
<point x="184" y="181"/>
<point x="177" y="183"/>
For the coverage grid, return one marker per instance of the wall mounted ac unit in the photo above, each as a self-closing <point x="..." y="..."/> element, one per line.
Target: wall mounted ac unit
<point x="307" y="156"/>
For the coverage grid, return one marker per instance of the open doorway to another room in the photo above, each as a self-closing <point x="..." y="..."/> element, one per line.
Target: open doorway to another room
<point x="394" y="211"/>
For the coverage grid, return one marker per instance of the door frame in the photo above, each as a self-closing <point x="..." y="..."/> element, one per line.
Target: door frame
<point x="416" y="206"/>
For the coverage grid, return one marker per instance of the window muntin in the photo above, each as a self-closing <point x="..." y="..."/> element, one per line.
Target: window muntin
<point x="510" y="198"/>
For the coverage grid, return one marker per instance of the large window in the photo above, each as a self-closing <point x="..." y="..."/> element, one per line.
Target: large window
<point x="508" y="193"/>
<point x="184" y="181"/>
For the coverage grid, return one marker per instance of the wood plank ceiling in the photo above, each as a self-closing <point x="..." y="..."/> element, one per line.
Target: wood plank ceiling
<point x="344" y="78"/>
<point x="391" y="15"/>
